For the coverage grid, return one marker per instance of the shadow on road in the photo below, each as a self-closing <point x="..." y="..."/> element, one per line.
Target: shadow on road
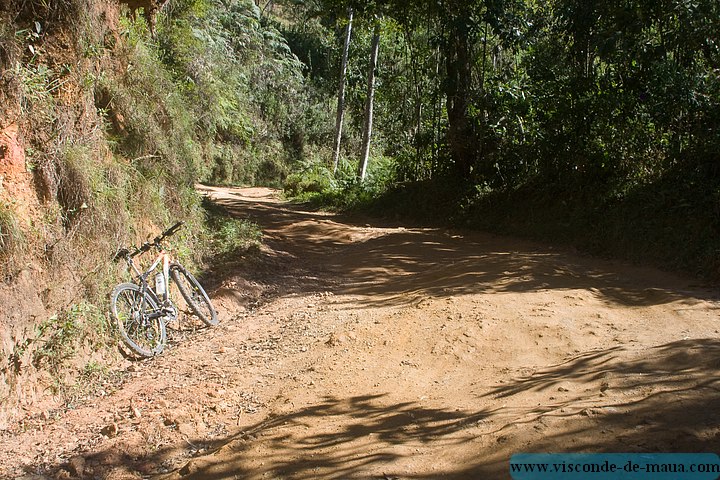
<point x="614" y="396"/>
<point x="389" y="264"/>
<point x="373" y="437"/>
<point x="361" y="435"/>
<point x="663" y="399"/>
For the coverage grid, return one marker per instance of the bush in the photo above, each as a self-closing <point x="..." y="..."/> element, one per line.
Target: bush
<point x="229" y="236"/>
<point x="311" y="179"/>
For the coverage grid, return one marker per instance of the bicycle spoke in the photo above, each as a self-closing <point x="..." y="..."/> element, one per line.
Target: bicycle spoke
<point x="139" y="327"/>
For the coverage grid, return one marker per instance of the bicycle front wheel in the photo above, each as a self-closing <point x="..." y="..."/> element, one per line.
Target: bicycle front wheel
<point x="138" y="320"/>
<point x="194" y="294"/>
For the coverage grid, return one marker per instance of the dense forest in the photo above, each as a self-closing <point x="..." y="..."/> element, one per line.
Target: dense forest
<point x="593" y="124"/>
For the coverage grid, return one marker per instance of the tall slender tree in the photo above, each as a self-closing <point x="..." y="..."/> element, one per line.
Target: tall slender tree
<point x="367" y="131"/>
<point x="341" y="92"/>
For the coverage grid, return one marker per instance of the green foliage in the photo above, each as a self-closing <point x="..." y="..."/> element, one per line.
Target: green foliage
<point x="316" y="47"/>
<point x="316" y="184"/>
<point x="312" y="178"/>
<point x="230" y="236"/>
<point x="148" y="114"/>
<point x="60" y="337"/>
<point x="539" y="117"/>
<point x="243" y="86"/>
<point x="36" y="87"/>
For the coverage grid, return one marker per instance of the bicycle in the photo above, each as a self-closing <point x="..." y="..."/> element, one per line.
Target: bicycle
<point x="142" y="311"/>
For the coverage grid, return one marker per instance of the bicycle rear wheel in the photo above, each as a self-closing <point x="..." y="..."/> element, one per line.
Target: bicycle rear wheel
<point x="137" y="319"/>
<point x="194" y="294"/>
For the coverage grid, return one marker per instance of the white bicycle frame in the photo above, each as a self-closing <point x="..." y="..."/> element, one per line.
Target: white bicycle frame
<point x="163" y="257"/>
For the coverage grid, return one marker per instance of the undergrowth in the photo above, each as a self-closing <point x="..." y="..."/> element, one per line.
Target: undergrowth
<point x="60" y="337"/>
<point x="315" y="183"/>
<point x="229" y="236"/>
<point x="665" y="223"/>
<point x="114" y="144"/>
<point x="60" y="346"/>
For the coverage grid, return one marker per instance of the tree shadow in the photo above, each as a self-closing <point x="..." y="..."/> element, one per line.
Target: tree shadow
<point x="664" y="400"/>
<point x="350" y="438"/>
<point x="389" y="264"/>
<point x="661" y="366"/>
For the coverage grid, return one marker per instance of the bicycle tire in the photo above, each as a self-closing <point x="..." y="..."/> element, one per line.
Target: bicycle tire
<point x="194" y="294"/>
<point x="143" y="335"/>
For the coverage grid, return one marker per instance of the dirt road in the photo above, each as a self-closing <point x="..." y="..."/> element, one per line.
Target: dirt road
<point x="365" y="351"/>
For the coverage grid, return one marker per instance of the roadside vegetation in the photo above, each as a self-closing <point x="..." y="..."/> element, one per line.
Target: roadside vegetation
<point x="594" y="125"/>
<point x="117" y="125"/>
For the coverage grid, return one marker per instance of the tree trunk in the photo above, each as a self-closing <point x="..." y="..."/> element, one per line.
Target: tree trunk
<point x="367" y="133"/>
<point x="461" y="137"/>
<point x="437" y="113"/>
<point x="341" y="93"/>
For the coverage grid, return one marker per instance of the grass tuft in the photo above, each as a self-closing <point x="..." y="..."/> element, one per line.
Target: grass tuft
<point x="12" y="239"/>
<point x="229" y="236"/>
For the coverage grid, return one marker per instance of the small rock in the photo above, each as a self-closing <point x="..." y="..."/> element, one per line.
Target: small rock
<point x="563" y="389"/>
<point x="186" y="429"/>
<point x="336" y="340"/>
<point x="110" y="430"/>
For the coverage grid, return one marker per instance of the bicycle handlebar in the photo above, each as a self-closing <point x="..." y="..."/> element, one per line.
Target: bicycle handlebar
<point x="124" y="252"/>
<point x="168" y="232"/>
